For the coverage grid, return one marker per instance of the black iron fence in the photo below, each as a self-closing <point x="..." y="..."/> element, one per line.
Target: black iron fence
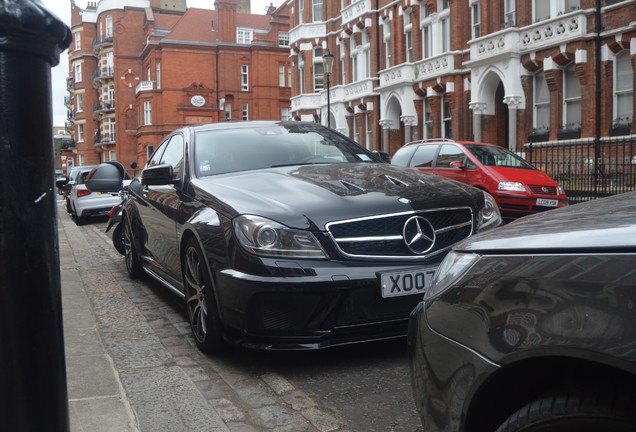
<point x="585" y="169"/>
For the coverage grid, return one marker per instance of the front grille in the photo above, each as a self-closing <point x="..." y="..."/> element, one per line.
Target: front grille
<point x="382" y="236"/>
<point x="543" y="190"/>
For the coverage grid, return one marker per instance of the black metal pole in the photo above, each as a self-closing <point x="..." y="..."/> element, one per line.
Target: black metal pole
<point x="33" y="394"/>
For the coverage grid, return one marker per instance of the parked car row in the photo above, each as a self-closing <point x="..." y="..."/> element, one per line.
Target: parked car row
<point x="290" y="236"/>
<point x="83" y="204"/>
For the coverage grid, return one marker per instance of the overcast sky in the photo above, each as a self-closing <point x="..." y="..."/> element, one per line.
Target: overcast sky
<point x="62" y="9"/>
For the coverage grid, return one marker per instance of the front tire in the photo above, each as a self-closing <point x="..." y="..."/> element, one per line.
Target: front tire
<point x="133" y="263"/>
<point x="575" y="410"/>
<point x="118" y="238"/>
<point x="200" y="301"/>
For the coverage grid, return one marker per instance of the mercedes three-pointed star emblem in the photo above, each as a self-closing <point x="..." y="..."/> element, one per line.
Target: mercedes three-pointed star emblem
<point x="419" y="235"/>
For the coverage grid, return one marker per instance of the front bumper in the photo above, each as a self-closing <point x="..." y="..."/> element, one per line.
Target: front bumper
<point x="514" y="206"/>
<point x="319" y="305"/>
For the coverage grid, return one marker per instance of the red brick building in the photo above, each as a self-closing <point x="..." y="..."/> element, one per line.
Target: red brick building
<point x="502" y="71"/>
<point x="139" y="69"/>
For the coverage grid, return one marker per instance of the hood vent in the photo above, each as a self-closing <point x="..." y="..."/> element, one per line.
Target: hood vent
<point x="395" y="181"/>
<point x="351" y="187"/>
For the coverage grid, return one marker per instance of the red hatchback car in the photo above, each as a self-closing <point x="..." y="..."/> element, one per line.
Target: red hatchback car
<point x="518" y="187"/>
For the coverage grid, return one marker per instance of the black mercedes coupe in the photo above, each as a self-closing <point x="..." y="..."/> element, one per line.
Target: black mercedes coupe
<point x="289" y="235"/>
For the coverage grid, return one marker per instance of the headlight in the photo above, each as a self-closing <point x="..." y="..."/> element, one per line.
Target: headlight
<point x="489" y="216"/>
<point x="454" y="266"/>
<point x="262" y="236"/>
<point x="511" y="186"/>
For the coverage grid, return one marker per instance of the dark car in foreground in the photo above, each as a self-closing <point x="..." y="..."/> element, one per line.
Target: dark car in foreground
<point x="532" y="327"/>
<point x="519" y="188"/>
<point x="290" y="235"/>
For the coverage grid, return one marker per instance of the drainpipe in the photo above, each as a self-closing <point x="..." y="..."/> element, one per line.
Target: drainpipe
<point x="377" y="62"/>
<point x="597" y="103"/>
<point x="33" y="378"/>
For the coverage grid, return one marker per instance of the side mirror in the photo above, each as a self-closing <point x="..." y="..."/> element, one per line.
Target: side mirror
<point x="106" y="177"/>
<point x="157" y="175"/>
<point x="457" y="164"/>
<point x="61" y="182"/>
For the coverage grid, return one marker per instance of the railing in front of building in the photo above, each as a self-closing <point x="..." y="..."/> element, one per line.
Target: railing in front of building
<point x="307" y="31"/>
<point x="99" y="43"/>
<point x="587" y="171"/>
<point x="540" y="35"/>
<point x="103" y="73"/>
<point x="99" y="139"/>
<point x="103" y="106"/>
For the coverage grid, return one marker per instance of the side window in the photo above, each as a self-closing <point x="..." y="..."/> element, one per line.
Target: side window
<point x="447" y="154"/>
<point x="173" y="155"/>
<point x="155" y="159"/>
<point x="402" y="157"/>
<point x="424" y="156"/>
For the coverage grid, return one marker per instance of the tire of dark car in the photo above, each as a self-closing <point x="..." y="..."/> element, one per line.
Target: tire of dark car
<point x="133" y="264"/>
<point x="575" y="410"/>
<point x="200" y="302"/>
<point x="119" y="239"/>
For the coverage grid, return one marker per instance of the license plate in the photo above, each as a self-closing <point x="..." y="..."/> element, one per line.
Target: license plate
<point x="547" y="202"/>
<point x="406" y="282"/>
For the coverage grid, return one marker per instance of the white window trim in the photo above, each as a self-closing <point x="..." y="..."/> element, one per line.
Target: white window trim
<point x="568" y="99"/>
<point x="616" y="92"/>
<point x="245" y="78"/>
<point x="147" y="113"/>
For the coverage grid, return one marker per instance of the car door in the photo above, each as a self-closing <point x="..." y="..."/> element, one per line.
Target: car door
<point x="447" y="163"/>
<point x="159" y="212"/>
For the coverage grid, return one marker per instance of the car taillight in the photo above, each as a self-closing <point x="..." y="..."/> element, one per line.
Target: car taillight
<point x="114" y="210"/>
<point x="83" y="192"/>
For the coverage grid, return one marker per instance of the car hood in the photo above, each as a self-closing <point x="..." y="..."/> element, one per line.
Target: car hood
<point x="311" y="196"/>
<point x="525" y="176"/>
<point x="607" y="223"/>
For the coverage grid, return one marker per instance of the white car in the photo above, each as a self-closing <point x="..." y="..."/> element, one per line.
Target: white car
<point x="84" y="204"/>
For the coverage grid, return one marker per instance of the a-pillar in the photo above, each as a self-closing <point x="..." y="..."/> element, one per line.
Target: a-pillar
<point x="386" y="127"/>
<point x="478" y="110"/>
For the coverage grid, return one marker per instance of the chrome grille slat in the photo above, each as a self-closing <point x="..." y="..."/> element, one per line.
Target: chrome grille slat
<point x="381" y="236"/>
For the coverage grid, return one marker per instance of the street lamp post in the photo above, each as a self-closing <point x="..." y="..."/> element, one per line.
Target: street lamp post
<point x="327" y="61"/>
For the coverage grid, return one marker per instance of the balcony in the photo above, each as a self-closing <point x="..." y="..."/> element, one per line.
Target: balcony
<point x="308" y="31"/>
<point x="67" y="101"/>
<point x="357" y="90"/>
<point x="397" y="76"/>
<point x="355" y="11"/>
<point x="144" y="86"/>
<point x="70" y="83"/>
<point x="309" y="101"/>
<point x="70" y="114"/>
<point x="513" y="42"/>
<point x="68" y="125"/>
<point x="103" y="73"/>
<point x="100" y="107"/>
<point x="101" y="43"/>
<point x="106" y="139"/>
<point x="434" y="67"/>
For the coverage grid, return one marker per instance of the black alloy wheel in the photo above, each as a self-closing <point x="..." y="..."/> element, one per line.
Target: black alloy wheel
<point x="200" y="302"/>
<point x="576" y="410"/>
<point x="119" y="238"/>
<point x="133" y="264"/>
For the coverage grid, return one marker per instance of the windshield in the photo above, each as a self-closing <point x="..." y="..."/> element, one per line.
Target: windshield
<point x="249" y="148"/>
<point x="498" y="156"/>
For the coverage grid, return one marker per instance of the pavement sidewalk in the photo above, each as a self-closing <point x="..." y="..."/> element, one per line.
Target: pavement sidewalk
<point x="97" y="401"/>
